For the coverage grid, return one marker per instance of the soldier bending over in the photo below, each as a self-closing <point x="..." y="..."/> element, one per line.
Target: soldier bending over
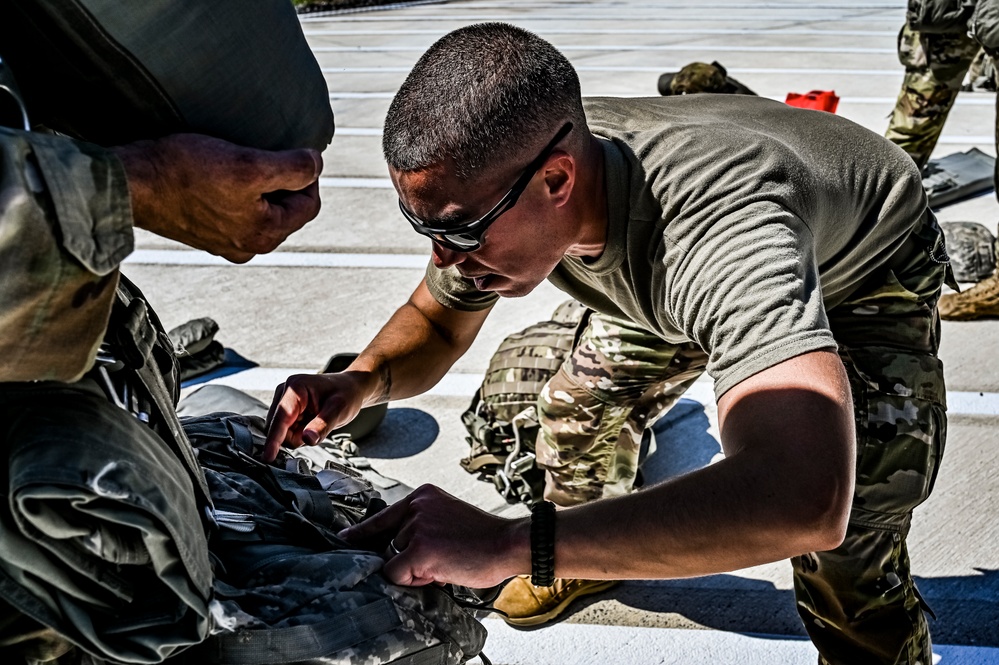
<point x="789" y="254"/>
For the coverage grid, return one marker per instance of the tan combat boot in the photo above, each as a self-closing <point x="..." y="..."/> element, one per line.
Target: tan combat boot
<point x="528" y="605"/>
<point x="980" y="301"/>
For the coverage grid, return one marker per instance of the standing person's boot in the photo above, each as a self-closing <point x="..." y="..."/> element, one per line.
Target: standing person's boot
<point x="527" y="605"/>
<point x="980" y="301"/>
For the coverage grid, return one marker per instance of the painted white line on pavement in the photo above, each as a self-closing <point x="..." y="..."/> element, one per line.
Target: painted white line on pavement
<point x="670" y="5"/>
<point x="880" y="101"/>
<point x="589" y="644"/>
<point x="984" y="138"/>
<point x="987" y="139"/>
<point x="186" y="257"/>
<point x="657" y="69"/>
<point x="362" y="95"/>
<point x="773" y="32"/>
<point x="359" y="131"/>
<point x="972" y="403"/>
<point x="464" y="6"/>
<point x="461" y="384"/>
<point x="967" y="101"/>
<point x="624" y="48"/>
<point x="264" y="379"/>
<point x="640" y="18"/>
<point x="360" y="183"/>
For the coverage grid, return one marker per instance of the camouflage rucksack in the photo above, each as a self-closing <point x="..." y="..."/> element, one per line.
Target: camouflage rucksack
<point x="502" y="420"/>
<point x="698" y="77"/>
<point x="286" y="589"/>
<point x="971" y="248"/>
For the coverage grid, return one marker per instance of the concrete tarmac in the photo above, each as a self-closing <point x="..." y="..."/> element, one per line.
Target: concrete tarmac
<point x="311" y="299"/>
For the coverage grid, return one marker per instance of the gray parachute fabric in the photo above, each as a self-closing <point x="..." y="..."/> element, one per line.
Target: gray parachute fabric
<point x="958" y="176"/>
<point x="287" y="590"/>
<point x="337" y="449"/>
<point x="971" y="248"/>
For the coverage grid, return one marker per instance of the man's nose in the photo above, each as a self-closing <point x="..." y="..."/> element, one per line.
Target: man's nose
<point x="445" y="258"/>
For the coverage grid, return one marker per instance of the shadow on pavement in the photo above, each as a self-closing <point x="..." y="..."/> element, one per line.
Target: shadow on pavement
<point x="967" y="607"/>
<point x="403" y="433"/>
<point x="683" y="443"/>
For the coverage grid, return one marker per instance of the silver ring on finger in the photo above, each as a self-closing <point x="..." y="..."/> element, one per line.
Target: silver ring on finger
<point x="392" y="547"/>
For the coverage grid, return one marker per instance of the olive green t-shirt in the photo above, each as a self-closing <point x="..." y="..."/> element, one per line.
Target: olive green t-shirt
<point x="734" y="222"/>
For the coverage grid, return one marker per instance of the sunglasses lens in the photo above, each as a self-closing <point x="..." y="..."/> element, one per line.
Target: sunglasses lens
<point x="458" y="241"/>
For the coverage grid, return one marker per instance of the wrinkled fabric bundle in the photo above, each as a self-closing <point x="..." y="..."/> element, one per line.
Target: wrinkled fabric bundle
<point x="287" y="590"/>
<point x="100" y="536"/>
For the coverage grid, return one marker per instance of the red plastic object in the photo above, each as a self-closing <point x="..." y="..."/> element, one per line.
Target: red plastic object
<point x="820" y="100"/>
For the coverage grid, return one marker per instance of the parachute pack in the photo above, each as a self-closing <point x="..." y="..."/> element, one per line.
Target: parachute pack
<point x="502" y="420"/>
<point x="260" y="579"/>
<point x="286" y="589"/>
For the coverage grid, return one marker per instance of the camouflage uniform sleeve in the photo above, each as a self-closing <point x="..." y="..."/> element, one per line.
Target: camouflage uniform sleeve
<point x="455" y="292"/>
<point x="65" y="225"/>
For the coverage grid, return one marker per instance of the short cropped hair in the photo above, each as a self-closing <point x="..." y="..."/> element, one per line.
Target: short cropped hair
<point x="481" y="96"/>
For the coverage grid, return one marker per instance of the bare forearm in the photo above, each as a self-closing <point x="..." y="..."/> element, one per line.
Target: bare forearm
<point x="416" y="348"/>
<point x="408" y="357"/>
<point x="714" y="520"/>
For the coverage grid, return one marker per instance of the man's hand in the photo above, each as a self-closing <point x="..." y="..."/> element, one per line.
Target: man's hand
<point x="443" y="540"/>
<point x="220" y="197"/>
<point x="307" y="407"/>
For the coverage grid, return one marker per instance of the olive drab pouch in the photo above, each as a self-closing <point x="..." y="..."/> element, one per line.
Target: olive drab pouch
<point x="286" y="589"/>
<point x="198" y="352"/>
<point x="502" y="420"/>
<point x="699" y="77"/>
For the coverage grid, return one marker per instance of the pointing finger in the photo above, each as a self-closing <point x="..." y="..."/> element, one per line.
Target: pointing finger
<point x="285" y="415"/>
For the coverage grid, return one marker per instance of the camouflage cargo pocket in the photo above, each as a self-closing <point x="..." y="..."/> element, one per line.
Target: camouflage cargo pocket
<point x="900" y="404"/>
<point x="859" y="603"/>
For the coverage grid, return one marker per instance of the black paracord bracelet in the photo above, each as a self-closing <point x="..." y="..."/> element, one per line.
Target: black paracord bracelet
<point x="543" y="544"/>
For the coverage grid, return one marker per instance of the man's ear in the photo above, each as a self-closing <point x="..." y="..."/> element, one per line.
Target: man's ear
<point x="560" y="177"/>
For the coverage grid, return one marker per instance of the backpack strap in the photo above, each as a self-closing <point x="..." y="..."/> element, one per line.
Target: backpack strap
<point x="141" y="343"/>
<point x="294" y="644"/>
<point x="303" y="487"/>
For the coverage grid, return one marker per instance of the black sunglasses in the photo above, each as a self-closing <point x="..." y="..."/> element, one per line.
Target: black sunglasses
<point x="468" y="237"/>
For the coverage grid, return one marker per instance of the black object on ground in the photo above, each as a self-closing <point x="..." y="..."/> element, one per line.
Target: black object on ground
<point x="958" y="176"/>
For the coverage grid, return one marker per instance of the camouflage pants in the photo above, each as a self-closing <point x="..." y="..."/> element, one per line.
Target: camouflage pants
<point x="858" y="602"/>
<point x="935" y="66"/>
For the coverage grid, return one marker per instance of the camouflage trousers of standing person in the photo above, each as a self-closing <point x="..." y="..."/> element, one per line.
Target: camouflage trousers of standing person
<point x="858" y="602"/>
<point x="935" y="67"/>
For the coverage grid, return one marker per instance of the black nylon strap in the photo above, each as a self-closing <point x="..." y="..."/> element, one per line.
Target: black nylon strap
<point x="273" y="646"/>
<point x="160" y="396"/>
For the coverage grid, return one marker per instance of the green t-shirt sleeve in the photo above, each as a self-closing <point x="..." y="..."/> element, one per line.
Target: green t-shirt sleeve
<point x="748" y="292"/>
<point x="455" y="292"/>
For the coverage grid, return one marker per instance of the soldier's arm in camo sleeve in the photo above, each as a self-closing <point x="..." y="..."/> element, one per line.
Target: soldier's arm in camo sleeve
<point x="65" y="225"/>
